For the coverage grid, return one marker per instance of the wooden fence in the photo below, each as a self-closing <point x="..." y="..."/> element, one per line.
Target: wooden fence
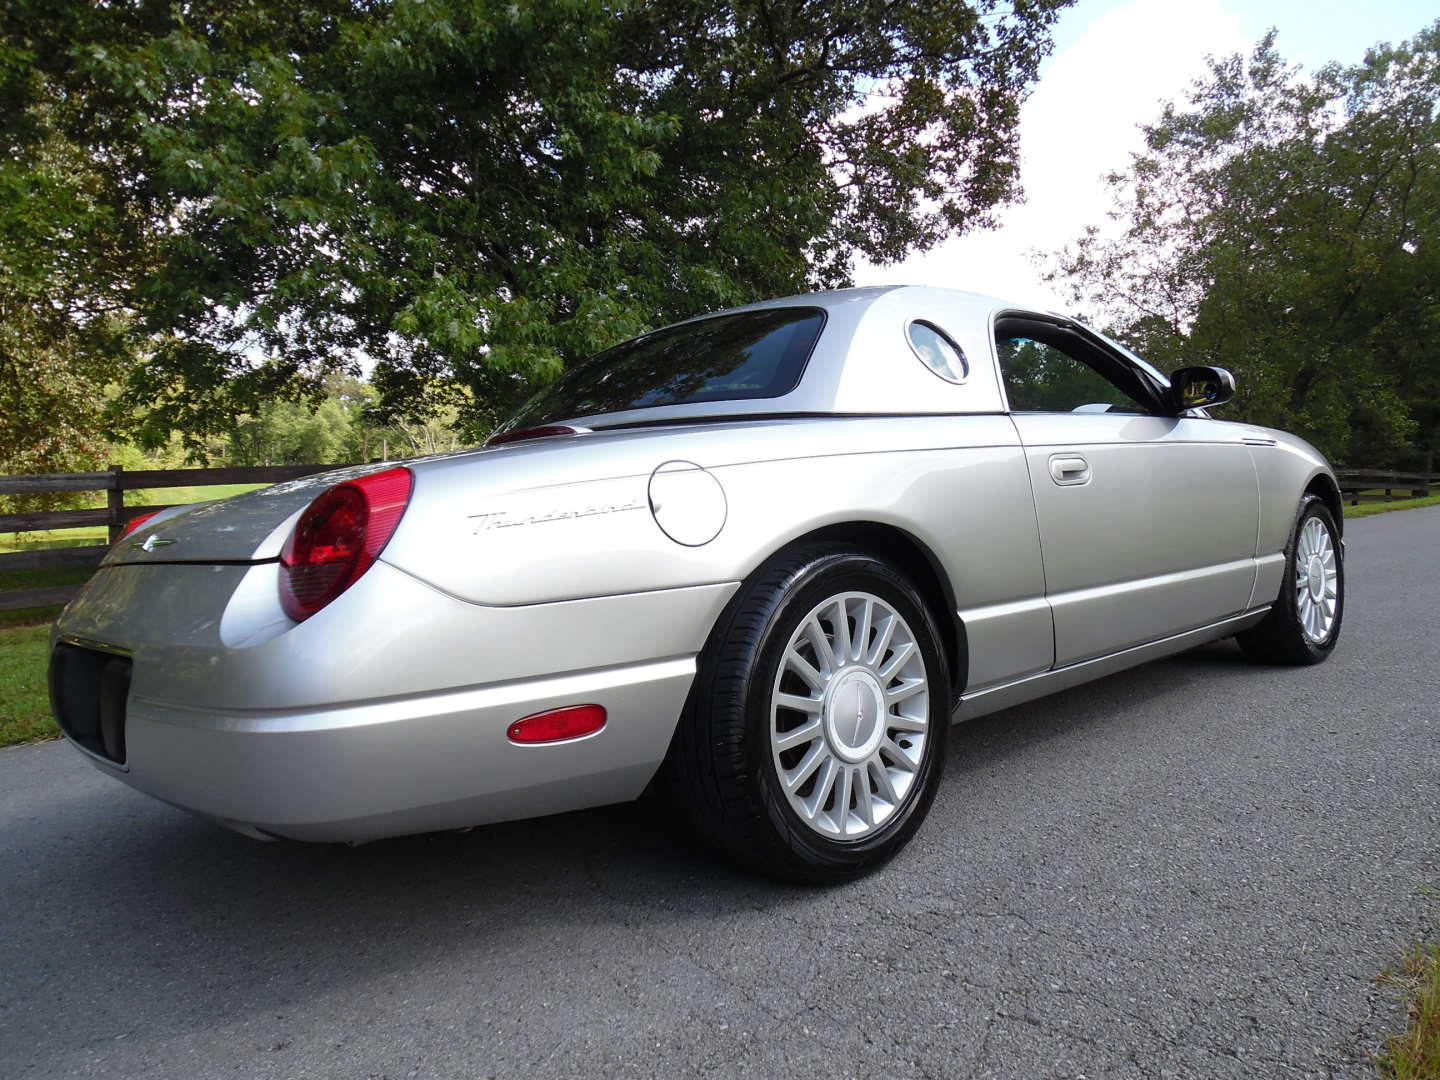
<point x="1355" y="485"/>
<point x="1362" y="484"/>
<point x="114" y="482"/>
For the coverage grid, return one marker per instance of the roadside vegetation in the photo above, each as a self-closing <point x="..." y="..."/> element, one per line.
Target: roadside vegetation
<point x="24" y="697"/>
<point x="1367" y="509"/>
<point x="1415" y="1054"/>
<point x="1281" y="223"/>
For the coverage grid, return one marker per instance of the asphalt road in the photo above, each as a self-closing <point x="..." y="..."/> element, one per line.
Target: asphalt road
<point x="1194" y="869"/>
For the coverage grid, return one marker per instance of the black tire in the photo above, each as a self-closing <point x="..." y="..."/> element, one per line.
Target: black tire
<point x="721" y="767"/>
<point x="1281" y="637"/>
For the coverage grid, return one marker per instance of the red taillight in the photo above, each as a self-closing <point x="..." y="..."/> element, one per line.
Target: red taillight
<point x="135" y="523"/>
<point x="571" y="722"/>
<point x="338" y="538"/>
<point x="545" y="431"/>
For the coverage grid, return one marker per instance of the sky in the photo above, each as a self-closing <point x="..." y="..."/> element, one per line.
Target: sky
<point x="1114" y="62"/>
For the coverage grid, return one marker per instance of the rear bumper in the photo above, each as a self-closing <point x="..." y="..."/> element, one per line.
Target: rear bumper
<point x="408" y="765"/>
<point x="387" y="712"/>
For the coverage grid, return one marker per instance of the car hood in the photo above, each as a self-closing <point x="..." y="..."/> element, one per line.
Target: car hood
<point x="244" y="528"/>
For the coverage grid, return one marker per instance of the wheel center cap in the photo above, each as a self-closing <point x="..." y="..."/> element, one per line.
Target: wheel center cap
<point x="1316" y="574"/>
<point x="854" y="711"/>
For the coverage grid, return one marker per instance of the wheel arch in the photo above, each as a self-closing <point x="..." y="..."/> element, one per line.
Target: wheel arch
<point x="913" y="558"/>
<point x="1324" y="485"/>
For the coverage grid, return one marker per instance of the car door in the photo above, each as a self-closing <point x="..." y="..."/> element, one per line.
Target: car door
<point x="1147" y="521"/>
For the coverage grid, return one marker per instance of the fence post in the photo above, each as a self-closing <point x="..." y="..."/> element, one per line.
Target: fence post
<point x="115" y="501"/>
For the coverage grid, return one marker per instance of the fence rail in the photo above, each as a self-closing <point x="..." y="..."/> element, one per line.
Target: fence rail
<point x="1357" y="485"/>
<point x="114" y="482"/>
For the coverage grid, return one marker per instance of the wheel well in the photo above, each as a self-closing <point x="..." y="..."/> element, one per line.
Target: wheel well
<point x="1323" y="486"/>
<point x="917" y="562"/>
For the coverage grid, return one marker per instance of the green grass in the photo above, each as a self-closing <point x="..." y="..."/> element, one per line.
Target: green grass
<point x="1366" y="509"/>
<point x="1415" y="1055"/>
<point x="187" y="494"/>
<point x="58" y="538"/>
<point x="24" y="697"/>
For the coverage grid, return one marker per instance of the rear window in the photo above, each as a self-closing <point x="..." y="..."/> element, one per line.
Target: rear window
<point x="751" y="354"/>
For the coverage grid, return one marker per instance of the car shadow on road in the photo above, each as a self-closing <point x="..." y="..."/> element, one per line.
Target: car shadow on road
<point x="121" y="895"/>
<point x="1118" y="704"/>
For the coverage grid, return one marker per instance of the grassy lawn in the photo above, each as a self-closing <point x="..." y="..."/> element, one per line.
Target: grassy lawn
<point x="1366" y="509"/>
<point x="1415" y="1055"/>
<point x="59" y="538"/>
<point x="187" y="494"/>
<point x="24" y="698"/>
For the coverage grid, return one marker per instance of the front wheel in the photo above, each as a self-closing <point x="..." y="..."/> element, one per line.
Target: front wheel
<point x="1304" y="624"/>
<point x="815" y="735"/>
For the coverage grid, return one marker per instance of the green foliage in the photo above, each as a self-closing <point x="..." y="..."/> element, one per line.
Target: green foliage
<point x="473" y="193"/>
<point x="24" y="697"/>
<point x="289" y="433"/>
<point x="342" y="426"/>
<point x="63" y="325"/>
<point x="1041" y="377"/>
<point x="1415" y="1055"/>
<point x="1370" y="508"/>
<point x="1288" y="228"/>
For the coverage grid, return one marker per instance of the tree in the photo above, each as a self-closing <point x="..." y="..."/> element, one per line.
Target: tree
<point x="1289" y="228"/>
<point x="473" y="194"/>
<point x="65" y="248"/>
<point x="340" y="427"/>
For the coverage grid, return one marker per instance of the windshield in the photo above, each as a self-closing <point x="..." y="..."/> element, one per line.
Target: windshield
<point x="751" y="354"/>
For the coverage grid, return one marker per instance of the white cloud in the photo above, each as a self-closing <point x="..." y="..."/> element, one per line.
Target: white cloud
<point x="1079" y="124"/>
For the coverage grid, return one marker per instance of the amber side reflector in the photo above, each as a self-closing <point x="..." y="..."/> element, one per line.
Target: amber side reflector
<point x="557" y="725"/>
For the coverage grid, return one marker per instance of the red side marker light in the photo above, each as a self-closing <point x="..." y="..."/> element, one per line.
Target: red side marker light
<point x="135" y="523"/>
<point x="557" y="725"/>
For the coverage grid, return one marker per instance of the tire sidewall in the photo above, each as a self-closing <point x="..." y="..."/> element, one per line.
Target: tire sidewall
<point x="817" y="581"/>
<point x="1312" y="506"/>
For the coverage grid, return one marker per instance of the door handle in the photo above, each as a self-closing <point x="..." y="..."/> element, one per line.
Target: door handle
<point x="1069" y="470"/>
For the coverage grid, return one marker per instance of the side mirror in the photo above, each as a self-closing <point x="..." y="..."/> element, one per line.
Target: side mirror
<point x="1200" y="388"/>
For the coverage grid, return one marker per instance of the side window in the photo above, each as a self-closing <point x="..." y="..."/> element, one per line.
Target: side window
<point x="1059" y="375"/>
<point x="936" y="351"/>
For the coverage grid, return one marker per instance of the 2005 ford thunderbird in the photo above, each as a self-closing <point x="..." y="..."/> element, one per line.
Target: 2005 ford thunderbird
<point x="766" y="555"/>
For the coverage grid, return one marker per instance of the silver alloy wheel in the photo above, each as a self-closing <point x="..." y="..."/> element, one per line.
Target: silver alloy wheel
<point x="1317" y="576"/>
<point x="849" y="715"/>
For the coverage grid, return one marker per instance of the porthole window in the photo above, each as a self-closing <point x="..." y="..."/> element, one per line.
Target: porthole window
<point x="937" y="351"/>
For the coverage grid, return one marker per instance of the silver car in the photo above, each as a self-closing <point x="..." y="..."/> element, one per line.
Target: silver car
<point x="762" y="558"/>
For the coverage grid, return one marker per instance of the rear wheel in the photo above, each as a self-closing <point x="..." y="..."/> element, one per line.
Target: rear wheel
<point x="1304" y="623"/>
<point x="815" y="734"/>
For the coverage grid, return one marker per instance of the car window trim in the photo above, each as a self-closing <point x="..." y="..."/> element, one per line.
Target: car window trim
<point x="1145" y="379"/>
<point x="745" y="417"/>
<point x="808" y="310"/>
